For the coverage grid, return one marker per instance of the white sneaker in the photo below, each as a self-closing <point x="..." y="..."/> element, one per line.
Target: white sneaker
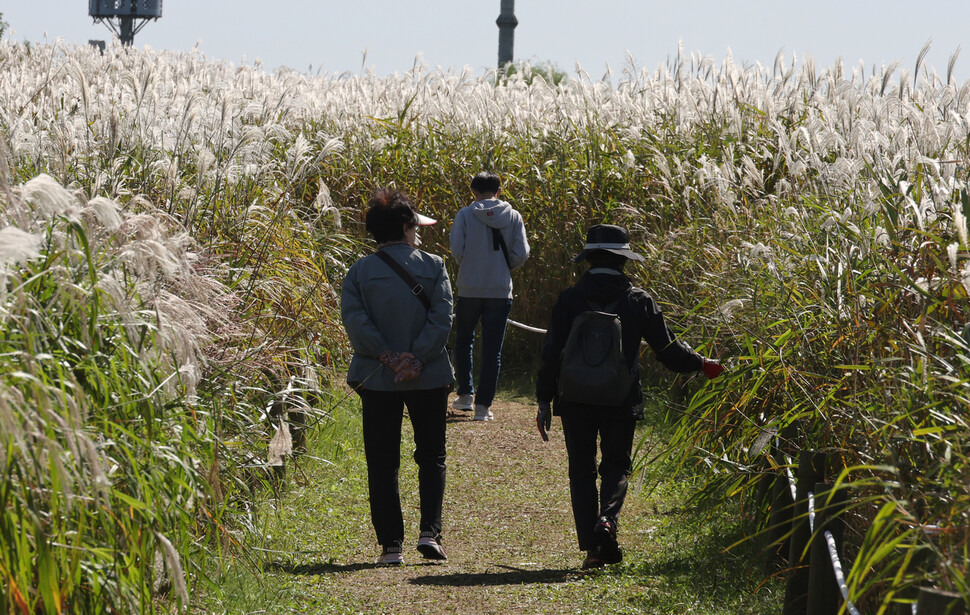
<point x="482" y="413"/>
<point x="464" y="402"/>
<point x="430" y="547"/>
<point x="391" y="555"/>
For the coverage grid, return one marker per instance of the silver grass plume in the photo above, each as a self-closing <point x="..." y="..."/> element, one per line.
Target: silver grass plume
<point x="17" y="246"/>
<point x="47" y="197"/>
<point x="10" y="423"/>
<point x="729" y="308"/>
<point x="104" y="212"/>
<point x="960" y="222"/>
<point x="324" y="204"/>
<point x="173" y="564"/>
<point x="281" y="444"/>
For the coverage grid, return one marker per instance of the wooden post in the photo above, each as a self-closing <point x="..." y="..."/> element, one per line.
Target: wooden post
<point x="811" y="470"/>
<point x="905" y="608"/>
<point x="933" y="601"/>
<point x="779" y="519"/>
<point x="923" y="561"/>
<point x="824" y="593"/>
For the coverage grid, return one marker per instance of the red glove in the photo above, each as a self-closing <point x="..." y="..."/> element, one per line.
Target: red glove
<point x="712" y="369"/>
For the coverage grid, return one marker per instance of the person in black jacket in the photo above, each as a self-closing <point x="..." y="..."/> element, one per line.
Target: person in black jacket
<point x="607" y="251"/>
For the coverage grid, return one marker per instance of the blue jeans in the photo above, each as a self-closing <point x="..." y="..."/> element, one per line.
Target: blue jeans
<point x="493" y="314"/>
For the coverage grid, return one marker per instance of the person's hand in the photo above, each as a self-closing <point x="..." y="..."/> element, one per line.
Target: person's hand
<point x="407" y="367"/>
<point x="712" y="369"/>
<point x="544" y="419"/>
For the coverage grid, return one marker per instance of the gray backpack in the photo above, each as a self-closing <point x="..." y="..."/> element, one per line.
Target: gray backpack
<point x="593" y="369"/>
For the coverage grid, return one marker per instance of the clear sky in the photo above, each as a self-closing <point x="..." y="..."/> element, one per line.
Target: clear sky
<point x="333" y="37"/>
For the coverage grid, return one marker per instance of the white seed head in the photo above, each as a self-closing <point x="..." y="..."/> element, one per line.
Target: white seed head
<point x="47" y="197"/>
<point x="960" y="222"/>
<point x="729" y="308"/>
<point x="174" y="566"/>
<point x="105" y="211"/>
<point x="17" y="246"/>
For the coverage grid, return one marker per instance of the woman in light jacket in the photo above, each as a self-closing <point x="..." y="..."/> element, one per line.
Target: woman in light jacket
<point x="396" y="308"/>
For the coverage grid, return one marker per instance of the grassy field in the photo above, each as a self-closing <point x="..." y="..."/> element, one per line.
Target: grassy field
<point x="175" y="230"/>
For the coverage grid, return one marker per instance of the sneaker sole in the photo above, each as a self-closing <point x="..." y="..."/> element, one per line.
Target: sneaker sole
<point x="429" y="551"/>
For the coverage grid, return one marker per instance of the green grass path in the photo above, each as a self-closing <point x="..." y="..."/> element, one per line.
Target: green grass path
<point x="508" y="532"/>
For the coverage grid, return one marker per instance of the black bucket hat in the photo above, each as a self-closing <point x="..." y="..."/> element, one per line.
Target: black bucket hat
<point x="610" y="238"/>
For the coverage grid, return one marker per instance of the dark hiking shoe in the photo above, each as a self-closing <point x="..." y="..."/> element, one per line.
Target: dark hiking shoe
<point x="593" y="559"/>
<point x="430" y="547"/>
<point x="605" y="534"/>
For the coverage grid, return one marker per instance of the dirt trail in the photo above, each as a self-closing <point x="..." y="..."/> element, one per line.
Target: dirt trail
<point x="508" y="532"/>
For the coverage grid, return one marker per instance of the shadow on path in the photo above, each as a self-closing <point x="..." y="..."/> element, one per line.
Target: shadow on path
<point x="515" y="576"/>
<point x="321" y="568"/>
<point x="318" y="568"/>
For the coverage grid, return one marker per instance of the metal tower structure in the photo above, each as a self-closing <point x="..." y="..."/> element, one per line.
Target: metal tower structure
<point x="125" y="18"/>
<point x="506" y="32"/>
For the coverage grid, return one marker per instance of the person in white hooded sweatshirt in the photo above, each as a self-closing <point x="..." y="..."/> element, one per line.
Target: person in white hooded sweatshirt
<point x="488" y="240"/>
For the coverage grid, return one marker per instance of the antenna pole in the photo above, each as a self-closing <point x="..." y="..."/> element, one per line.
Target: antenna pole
<point x="127" y="31"/>
<point x="506" y="32"/>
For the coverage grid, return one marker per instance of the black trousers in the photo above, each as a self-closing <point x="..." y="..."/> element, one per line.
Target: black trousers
<point x="616" y="444"/>
<point x="383" y="413"/>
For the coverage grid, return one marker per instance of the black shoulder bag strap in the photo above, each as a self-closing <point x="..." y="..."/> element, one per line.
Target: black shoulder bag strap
<point x="499" y="242"/>
<point x="416" y="289"/>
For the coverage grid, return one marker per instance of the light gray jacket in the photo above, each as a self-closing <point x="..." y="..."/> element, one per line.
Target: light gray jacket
<point x="380" y="313"/>
<point x="482" y="271"/>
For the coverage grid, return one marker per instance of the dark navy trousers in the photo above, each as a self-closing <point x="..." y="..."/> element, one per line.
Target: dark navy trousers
<point x="383" y="415"/>
<point x="615" y="435"/>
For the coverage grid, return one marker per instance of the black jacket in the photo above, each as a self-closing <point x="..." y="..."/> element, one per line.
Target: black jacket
<point x="640" y="317"/>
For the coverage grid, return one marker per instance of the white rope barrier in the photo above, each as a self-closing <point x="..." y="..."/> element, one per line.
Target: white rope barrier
<point x="542" y="331"/>
<point x="526" y="327"/>
<point x="839" y="576"/>
<point x="833" y="555"/>
<point x="811" y="512"/>
<point x="791" y="479"/>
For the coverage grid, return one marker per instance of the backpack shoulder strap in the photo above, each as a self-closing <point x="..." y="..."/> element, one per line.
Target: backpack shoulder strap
<point x="499" y="242"/>
<point x="416" y="288"/>
<point x="609" y="308"/>
<point x="612" y="307"/>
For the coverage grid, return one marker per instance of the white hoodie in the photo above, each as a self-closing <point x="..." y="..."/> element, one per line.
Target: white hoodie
<point x="482" y="271"/>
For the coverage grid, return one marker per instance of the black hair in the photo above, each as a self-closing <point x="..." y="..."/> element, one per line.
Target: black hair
<point x="486" y="183"/>
<point x="602" y="258"/>
<point x="388" y="211"/>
